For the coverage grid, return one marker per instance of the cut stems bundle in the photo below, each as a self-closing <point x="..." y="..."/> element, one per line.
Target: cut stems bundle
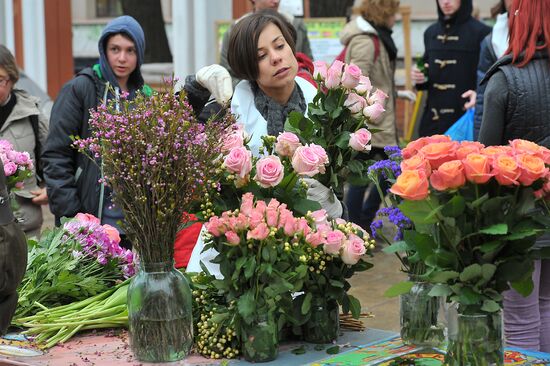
<point x="57" y="325"/>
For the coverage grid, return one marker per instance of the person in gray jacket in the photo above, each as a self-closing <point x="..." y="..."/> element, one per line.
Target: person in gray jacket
<point x="302" y="41"/>
<point x="26" y="128"/>
<point x="13" y="257"/>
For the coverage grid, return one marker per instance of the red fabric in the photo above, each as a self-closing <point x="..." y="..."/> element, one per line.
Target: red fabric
<point x="185" y="241"/>
<point x="305" y="68"/>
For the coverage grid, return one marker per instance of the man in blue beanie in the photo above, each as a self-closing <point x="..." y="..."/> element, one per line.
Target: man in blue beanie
<point x="72" y="178"/>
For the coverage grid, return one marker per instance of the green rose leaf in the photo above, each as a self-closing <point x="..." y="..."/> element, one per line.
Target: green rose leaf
<point x="443" y="276"/>
<point x="343" y="140"/>
<point x="440" y="290"/>
<point x="246" y="305"/>
<point x="490" y="306"/>
<point x="399" y="288"/>
<point x="334" y="350"/>
<point x="455" y="207"/>
<point x="470" y="273"/>
<point x="299" y="351"/>
<point x="420" y="212"/>
<point x="354" y="306"/>
<point x="355" y="166"/>
<point x="306" y="305"/>
<point x="488" y="270"/>
<point x="524" y="286"/>
<point x="398" y="246"/>
<point x="468" y="296"/>
<point x="498" y="229"/>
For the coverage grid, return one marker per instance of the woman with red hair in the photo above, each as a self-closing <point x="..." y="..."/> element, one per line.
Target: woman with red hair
<point x="517" y="105"/>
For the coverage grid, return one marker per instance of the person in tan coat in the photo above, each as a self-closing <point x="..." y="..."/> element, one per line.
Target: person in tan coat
<point x="26" y="128"/>
<point x="370" y="46"/>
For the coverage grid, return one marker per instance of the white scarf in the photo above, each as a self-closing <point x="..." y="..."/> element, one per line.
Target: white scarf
<point x="499" y="39"/>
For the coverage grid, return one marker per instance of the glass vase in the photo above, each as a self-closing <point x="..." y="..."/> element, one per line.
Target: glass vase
<point x="160" y="314"/>
<point x="260" y="340"/>
<point x="420" y="317"/>
<point x="323" y="325"/>
<point x="474" y="339"/>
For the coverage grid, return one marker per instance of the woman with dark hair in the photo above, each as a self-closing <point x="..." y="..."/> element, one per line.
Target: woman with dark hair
<point x="26" y="128"/>
<point x="262" y="54"/>
<point x="517" y="106"/>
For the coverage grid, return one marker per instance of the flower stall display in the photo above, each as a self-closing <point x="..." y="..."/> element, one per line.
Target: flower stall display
<point x="157" y="158"/>
<point x="420" y="314"/>
<point x="337" y="120"/>
<point x="477" y="212"/>
<point x="265" y="253"/>
<point x="82" y="258"/>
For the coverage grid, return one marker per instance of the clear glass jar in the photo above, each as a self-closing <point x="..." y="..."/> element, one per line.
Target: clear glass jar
<point x="160" y="313"/>
<point x="420" y="317"/>
<point x="474" y="339"/>
<point x="260" y="339"/>
<point x="323" y="325"/>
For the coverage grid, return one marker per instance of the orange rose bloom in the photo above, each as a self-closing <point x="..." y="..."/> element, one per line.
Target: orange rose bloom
<point x="493" y="151"/>
<point x="438" y="153"/>
<point x="468" y="147"/>
<point x="417" y="162"/>
<point x="506" y="170"/>
<point x="411" y="185"/>
<point x="414" y="146"/>
<point x="477" y="168"/>
<point x="449" y="175"/>
<point x="526" y="147"/>
<point x="532" y="168"/>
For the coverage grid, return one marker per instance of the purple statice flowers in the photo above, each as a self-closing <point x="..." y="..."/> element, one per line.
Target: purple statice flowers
<point x="388" y="168"/>
<point x="396" y="217"/>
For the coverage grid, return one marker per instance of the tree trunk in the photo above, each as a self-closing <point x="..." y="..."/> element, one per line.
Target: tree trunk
<point x="148" y="13"/>
<point x="329" y="8"/>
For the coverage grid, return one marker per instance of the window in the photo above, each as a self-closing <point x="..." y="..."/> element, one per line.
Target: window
<point x="108" y="8"/>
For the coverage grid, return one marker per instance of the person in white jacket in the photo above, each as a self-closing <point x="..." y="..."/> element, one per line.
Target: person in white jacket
<point x="262" y="54"/>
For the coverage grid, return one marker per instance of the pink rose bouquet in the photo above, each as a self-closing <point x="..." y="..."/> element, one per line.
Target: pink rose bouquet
<point x="340" y="120"/>
<point x="274" y="174"/>
<point x="18" y="166"/>
<point x="266" y="252"/>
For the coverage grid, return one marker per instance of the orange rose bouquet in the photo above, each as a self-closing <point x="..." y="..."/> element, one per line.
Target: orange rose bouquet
<point x="477" y="212"/>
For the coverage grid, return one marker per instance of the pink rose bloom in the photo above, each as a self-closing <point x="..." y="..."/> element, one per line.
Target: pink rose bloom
<point x="360" y="140"/>
<point x="320" y="70"/>
<point x="232" y="238"/>
<point x="323" y="157"/>
<point x="351" y="77"/>
<point x="334" y="241"/>
<point x="260" y="232"/>
<point x="10" y="168"/>
<point x="86" y="217"/>
<point x="289" y="225"/>
<point x="315" y="239"/>
<point x="306" y="161"/>
<point x="256" y="218"/>
<point x="354" y="248"/>
<point x="320" y="217"/>
<point x="112" y="233"/>
<point x="239" y="161"/>
<point x="261" y="206"/>
<point x="286" y="144"/>
<point x="378" y="97"/>
<point x="303" y="226"/>
<point x="232" y="141"/>
<point x="247" y="203"/>
<point x="333" y="79"/>
<point x="355" y="103"/>
<point x="5" y="146"/>
<point x="373" y="112"/>
<point x="269" y="171"/>
<point x="364" y="86"/>
<point x="272" y="216"/>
